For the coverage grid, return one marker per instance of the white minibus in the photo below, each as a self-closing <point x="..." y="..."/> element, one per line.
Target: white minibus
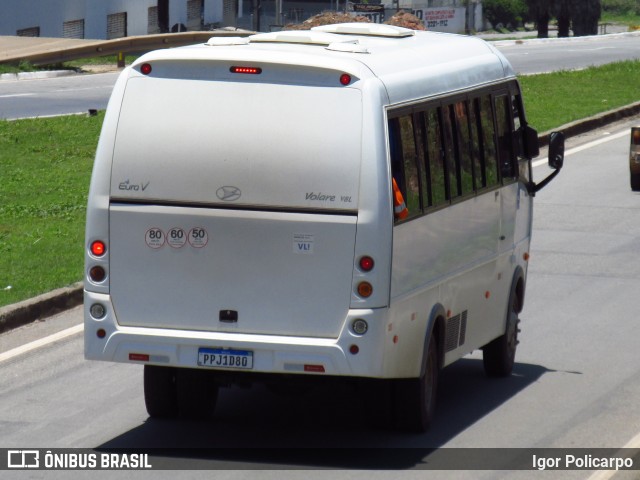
<point x="349" y="203"/>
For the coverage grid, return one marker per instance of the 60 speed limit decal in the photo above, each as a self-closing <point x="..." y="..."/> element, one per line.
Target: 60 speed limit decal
<point x="176" y="237"/>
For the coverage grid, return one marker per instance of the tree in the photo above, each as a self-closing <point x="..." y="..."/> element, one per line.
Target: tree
<point x="581" y="15"/>
<point x="585" y="16"/>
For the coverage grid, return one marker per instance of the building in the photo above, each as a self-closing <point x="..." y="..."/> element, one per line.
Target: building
<point x="108" y="19"/>
<point x="105" y="19"/>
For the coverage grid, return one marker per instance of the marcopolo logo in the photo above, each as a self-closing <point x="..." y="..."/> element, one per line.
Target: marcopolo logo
<point x="228" y="193"/>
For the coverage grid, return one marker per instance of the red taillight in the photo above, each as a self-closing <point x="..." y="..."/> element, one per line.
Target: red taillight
<point x="246" y="70"/>
<point x="635" y="136"/>
<point x="345" y="79"/>
<point x="366" y="264"/>
<point x="146" y="68"/>
<point x="98" y="248"/>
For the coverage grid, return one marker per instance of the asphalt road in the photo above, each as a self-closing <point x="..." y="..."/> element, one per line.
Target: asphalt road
<point x="575" y="384"/>
<point x="542" y="56"/>
<point x="78" y="94"/>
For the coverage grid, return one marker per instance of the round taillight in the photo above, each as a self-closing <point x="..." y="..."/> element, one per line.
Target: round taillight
<point x="97" y="274"/>
<point x="146" y="68"/>
<point x="366" y="264"/>
<point x="365" y="289"/>
<point x="345" y="79"/>
<point x="354" y="349"/>
<point x="101" y="333"/>
<point x="98" y="248"/>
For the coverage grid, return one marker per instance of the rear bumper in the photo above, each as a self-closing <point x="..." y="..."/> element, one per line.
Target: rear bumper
<point x="271" y="353"/>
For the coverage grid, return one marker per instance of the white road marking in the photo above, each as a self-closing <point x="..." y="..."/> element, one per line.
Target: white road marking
<point x="608" y="474"/>
<point x="18" y="95"/>
<point x="40" y="343"/>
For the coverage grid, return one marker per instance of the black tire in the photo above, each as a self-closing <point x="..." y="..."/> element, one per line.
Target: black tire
<point x="160" y="394"/>
<point x="414" y="400"/>
<point x="635" y="182"/>
<point x="197" y="393"/>
<point x="499" y="356"/>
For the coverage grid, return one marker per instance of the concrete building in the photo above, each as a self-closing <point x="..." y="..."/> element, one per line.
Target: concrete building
<point x="108" y="19"/>
<point x="104" y="19"/>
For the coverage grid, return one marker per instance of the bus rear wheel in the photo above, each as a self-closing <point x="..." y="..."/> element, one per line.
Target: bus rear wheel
<point x="197" y="394"/>
<point x="415" y="399"/>
<point x="499" y="355"/>
<point x="160" y="394"/>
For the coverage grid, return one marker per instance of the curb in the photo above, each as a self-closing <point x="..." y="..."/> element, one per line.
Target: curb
<point x="36" y="75"/>
<point x="45" y="305"/>
<point x="48" y="304"/>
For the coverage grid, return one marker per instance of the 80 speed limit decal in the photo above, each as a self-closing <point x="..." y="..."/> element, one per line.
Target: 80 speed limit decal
<point x="176" y="237"/>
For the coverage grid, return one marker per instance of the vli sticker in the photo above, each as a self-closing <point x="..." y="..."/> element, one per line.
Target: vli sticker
<point x="303" y="243"/>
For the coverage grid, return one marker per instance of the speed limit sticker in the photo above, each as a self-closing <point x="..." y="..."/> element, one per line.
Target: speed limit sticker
<point x="176" y="237"/>
<point x="198" y="237"/>
<point x="154" y="238"/>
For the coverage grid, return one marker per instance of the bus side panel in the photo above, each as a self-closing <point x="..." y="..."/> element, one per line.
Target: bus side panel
<point x="449" y="257"/>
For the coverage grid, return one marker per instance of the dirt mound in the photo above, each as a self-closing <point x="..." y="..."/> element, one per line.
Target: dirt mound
<point x="406" y="20"/>
<point x="325" y="18"/>
<point x="400" y="19"/>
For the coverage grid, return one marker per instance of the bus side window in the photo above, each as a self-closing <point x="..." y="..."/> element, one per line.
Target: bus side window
<point x="488" y="136"/>
<point x="463" y="142"/>
<point x="434" y="158"/>
<point x="505" y="138"/>
<point x="404" y="166"/>
<point x="519" y="122"/>
<point x="455" y="187"/>
<point x="477" y="145"/>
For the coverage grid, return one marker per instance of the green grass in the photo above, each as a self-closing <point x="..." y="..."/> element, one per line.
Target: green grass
<point x="45" y="169"/>
<point x="558" y="98"/>
<point x="629" y="18"/>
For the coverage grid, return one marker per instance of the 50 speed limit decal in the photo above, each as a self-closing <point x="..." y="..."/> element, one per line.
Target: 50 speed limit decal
<point x="198" y="237"/>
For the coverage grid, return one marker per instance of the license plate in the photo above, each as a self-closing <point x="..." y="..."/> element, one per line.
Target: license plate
<point x="221" y="358"/>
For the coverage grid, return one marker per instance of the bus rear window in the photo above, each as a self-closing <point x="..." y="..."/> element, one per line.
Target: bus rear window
<point x="275" y="146"/>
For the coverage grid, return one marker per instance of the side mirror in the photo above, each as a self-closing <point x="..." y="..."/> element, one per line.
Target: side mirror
<point x="556" y="150"/>
<point x="556" y="160"/>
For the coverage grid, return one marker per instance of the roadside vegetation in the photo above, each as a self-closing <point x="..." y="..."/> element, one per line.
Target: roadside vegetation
<point x="45" y="167"/>
<point x="558" y="98"/>
<point x="76" y="65"/>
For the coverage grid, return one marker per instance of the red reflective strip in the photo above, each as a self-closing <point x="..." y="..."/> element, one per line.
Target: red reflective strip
<point x="139" y="357"/>
<point x="314" y="368"/>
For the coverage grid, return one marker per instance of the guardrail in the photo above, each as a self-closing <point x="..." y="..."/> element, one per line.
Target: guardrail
<point x="46" y="54"/>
